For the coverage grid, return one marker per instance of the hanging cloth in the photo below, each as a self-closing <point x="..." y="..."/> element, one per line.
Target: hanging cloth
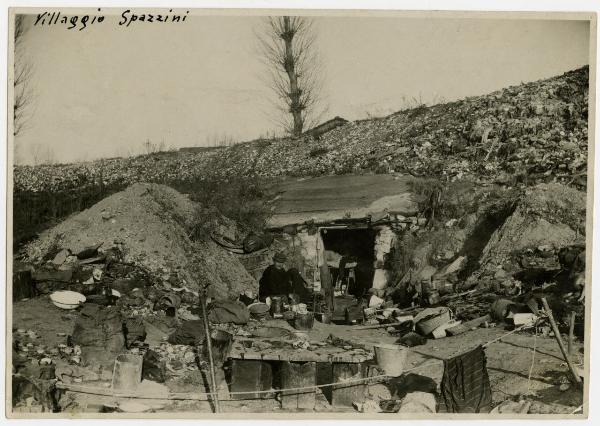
<point x="465" y="384"/>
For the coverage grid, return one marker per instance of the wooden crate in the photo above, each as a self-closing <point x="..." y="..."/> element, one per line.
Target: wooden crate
<point x="251" y="376"/>
<point x="294" y="375"/>
<point x="23" y="286"/>
<point x="344" y="395"/>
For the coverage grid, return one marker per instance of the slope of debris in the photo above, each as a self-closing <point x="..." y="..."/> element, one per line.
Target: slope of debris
<point x="530" y="133"/>
<point x="547" y="219"/>
<point x="537" y="130"/>
<point x="150" y="225"/>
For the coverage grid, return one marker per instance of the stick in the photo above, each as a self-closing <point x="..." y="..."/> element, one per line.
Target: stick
<point x="374" y="326"/>
<point x="213" y="376"/>
<point x="457" y="295"/>
<point x="469" y="325"/>
<point x="571" y="330"/>
<point x="559" y="340"/>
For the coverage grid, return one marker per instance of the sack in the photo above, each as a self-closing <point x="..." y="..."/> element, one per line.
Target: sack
<point x="153" y="368"/>
<point x="135" y="330"/>
<point x="99" y="333"/>
<point x="407" y="383"/>
<point x="189" y="333"/>
<point x="226" y="311"/>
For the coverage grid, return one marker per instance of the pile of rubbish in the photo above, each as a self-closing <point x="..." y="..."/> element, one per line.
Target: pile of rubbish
<point x="531" y="133"/>
<point x="139" y="237"/>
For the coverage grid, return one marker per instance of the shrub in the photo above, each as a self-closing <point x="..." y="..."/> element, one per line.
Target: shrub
<point x="317" y="152"/>
<point x="243" y="199"/>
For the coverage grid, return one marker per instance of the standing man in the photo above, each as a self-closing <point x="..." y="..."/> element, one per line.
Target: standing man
<point x="275" y="280"/>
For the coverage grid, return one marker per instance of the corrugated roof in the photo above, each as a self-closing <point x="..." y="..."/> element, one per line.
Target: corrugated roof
<point x="330" y="198"/>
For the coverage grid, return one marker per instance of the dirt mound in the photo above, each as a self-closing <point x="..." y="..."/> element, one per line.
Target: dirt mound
<point x="151" y="225"/>
<point x="547" y="218"/>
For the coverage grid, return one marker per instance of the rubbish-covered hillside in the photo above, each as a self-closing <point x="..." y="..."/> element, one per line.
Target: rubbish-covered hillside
<point x="531" y="132"/>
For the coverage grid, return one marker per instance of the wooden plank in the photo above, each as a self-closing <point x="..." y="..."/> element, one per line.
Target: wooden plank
<point x="345" y="394"/>
<point x="325" y="376"/>
<point x="571" y="334"/>
<point x="248" y="376"/>
<point x="287" y="352"/>
<point x="296" y="375"/>
<point x="469" y="325"/>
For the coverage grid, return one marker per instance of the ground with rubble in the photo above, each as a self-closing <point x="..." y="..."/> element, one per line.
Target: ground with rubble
<point x="474" y="246"/>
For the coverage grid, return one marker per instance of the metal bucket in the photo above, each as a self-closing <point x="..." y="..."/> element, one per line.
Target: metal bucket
<point x="391" y="358"/>
<point x="304" y="321"/>
<point x="276" y="306"/>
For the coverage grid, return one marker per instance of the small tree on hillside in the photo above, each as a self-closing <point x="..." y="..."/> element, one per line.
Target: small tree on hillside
<point x="287" y="47"/>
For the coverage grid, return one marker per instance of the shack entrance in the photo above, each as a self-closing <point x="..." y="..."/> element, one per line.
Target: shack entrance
<point x="350" y="254"/>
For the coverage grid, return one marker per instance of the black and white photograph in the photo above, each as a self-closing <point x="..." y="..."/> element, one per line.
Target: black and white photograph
<point x="282" y="213"/>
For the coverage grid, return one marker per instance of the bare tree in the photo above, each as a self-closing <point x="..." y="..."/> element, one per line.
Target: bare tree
<point x="23" y="72"/>
<point x="294" y="71"/>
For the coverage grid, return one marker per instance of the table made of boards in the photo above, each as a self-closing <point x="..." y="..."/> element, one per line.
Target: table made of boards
<point x="259" y="365"/>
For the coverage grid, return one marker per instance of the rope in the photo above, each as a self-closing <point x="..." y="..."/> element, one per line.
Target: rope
<point x="532" y="359"/>
<point x="186" y="396"/>
<point x="197" y="396"/>
<point x="521" y="327"/>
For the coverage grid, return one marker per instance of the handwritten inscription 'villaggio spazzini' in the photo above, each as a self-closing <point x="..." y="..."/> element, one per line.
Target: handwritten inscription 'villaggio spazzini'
<point x="126" y="18"/>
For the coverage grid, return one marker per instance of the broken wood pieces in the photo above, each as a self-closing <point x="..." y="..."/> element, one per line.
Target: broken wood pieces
<point x="574" y="372"/>
<point x="469" y="325"/>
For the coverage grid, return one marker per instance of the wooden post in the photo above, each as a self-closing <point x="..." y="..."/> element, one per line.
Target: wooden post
<point x="327" y="286"/>
<point x="343" y="395"/>
<point x="571" y="331"/>
<point x="296" y="375"/>
<point x="213" y="376"/>
<point x="559" y="340"/>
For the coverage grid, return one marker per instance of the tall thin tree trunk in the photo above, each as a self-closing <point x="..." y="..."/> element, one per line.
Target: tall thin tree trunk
<point x="295" y="105"/>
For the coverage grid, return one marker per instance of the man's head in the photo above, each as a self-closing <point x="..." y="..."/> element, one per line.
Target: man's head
<point x="279" y="260"/>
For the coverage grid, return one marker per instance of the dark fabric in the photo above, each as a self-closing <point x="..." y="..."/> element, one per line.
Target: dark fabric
<point x="135" y="330"/>
<point x="407" y="383"/>
<point x="274" y="282"/>
<point x="327" y="286"/>
<point x="299" y="286"/>
<point x="412" y="339"/>
<point x="245" y="299"/>
<point x="226" y="311"/>
<point x="189" y="333"/>
<point x="99" y="332"/>
<point x="465" y="384"/>
<point x="88" y="252"/>
<point x="153" y="368"/>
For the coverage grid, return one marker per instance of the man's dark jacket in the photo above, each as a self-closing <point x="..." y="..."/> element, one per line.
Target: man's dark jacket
<point x="274" y="282"/>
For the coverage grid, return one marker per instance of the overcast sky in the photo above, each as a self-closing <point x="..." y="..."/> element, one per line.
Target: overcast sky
<point x="103" y="91"/>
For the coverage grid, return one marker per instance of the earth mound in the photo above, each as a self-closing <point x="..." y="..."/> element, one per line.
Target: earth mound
<point x="152" y="226"/>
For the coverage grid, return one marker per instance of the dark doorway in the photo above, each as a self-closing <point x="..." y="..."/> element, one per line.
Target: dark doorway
<point x="352" y="245"/>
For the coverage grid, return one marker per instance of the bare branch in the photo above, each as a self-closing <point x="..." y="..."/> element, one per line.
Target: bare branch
<point x="287" y="47"/>
<point x="23" y="75"/>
